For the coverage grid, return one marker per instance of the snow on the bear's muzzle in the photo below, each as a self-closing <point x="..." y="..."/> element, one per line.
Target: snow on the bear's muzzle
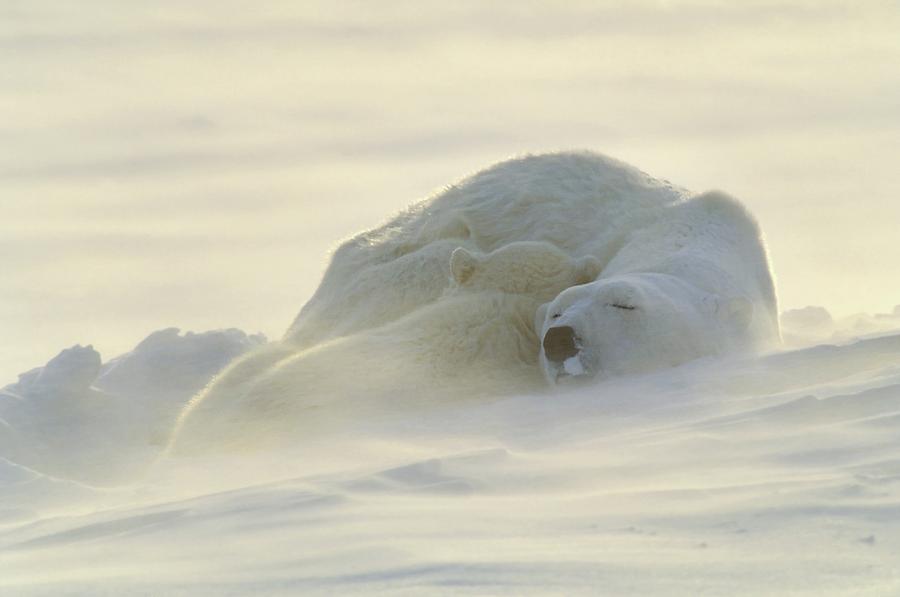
<point x="562" y="353"/>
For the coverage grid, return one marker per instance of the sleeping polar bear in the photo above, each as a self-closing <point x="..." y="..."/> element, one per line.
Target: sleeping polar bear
<point x="476" y="340"/>
<point x="583" y="203"/>
<point x="694" y="283"/>
<point x="681" y="276"/>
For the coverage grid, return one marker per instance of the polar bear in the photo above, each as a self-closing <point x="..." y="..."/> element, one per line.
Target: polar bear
<point x="582" y="202"/>
<point x="694" y="267"/>
<point x="384" y="292"/>
<point x="694" y="283"/>
<point x="477" y="339"/>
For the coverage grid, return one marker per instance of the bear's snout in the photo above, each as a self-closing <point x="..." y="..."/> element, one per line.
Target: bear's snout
<point x="560" y="343"/>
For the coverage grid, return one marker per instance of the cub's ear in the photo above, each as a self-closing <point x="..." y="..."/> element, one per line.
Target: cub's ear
<point x="539" y="317"/>
<point x="462" y="265"/>
<point x="587" y="269"/>
<point x="736" y="312"/>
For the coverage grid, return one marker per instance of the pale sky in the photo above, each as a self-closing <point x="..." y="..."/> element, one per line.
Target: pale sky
<point x="190" y="164"/>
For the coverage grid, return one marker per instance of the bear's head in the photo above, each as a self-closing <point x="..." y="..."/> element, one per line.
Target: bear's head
<point x="634" y="323"/>
<point x="537" y="269"/>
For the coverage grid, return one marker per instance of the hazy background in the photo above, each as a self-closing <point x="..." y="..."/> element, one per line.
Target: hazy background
<point x="191" y="163"/>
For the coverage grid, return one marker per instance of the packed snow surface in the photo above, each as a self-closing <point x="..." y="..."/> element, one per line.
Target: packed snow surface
<point x="773" y="475"/>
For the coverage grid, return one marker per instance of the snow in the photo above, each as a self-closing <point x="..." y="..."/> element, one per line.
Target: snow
<point x="813" y="324"/>
<point x="194" y="163"/>
<point x="167" y="366"/>
<point x="769" y="475"/>
<point x="90" y="421"/>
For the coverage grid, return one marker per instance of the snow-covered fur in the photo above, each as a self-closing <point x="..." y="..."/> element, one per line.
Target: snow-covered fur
<point x="477" y="338"/>
<point x="697" y="264"/>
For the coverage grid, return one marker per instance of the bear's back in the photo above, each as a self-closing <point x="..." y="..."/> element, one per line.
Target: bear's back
<point x="583" y="202"/>
<point x="579" y="201"/>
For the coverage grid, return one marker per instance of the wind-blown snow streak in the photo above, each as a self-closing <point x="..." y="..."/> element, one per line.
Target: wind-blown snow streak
<point x="776" y="475"/>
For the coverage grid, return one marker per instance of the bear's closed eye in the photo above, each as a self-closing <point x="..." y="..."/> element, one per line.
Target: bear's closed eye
<point x="556" y="316"/>
<point x="621" y="306"/>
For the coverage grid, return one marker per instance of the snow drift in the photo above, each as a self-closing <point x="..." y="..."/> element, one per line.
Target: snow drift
<point x="773" y="475"/>
<point x="79" y="418"/>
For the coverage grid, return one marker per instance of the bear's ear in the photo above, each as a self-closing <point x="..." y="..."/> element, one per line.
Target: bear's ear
<point x="462" y="265"/>
<point x="539" y="317"/>
<point x="587" y="269"/>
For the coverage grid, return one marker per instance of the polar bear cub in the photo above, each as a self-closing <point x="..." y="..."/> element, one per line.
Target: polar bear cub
<point x="535" y="269"/>
<point x="477" y="339"/>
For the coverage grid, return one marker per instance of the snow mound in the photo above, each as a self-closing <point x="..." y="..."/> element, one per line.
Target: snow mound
<point x="812" y="324"/>
<point x="78" y="418"/>
<point x="70" y="372"/>
<point x="167" y="366"/>
<point x="771" y="475"/>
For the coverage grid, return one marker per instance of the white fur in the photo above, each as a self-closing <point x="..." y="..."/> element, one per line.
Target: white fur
<point x="378" y="292"/>
<point x="584" y="203"/>
<point x="478" y="336"/>
<point x="588" y="205"/>
<point x="413" y="308"/>
<point x="693" y="283"/>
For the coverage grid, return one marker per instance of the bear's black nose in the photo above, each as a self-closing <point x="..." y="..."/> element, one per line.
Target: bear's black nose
<point x="559" y="343"/>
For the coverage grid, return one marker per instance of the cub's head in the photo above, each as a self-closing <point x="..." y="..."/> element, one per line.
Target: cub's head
<point x="537" y="269"/>
<point x="634" y="323"/>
